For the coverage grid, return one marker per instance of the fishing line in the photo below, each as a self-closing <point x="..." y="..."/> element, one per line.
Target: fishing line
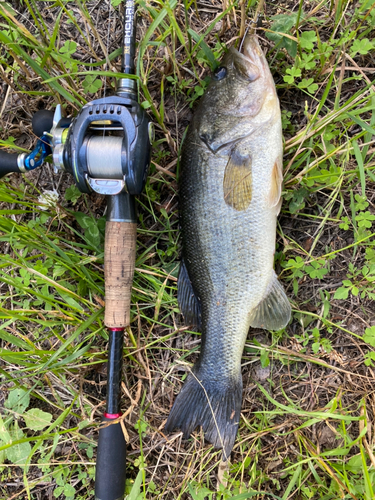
<point x="107" y="47"/>
<point x="253" y="23"/>
<point x="106" y="57"/>
<point x="243" y="38"/>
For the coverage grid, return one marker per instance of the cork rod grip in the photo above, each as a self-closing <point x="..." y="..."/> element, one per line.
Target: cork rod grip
<point x="119" y="262"/>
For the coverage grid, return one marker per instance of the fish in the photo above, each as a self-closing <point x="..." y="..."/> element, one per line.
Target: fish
<point x="229" y="198"/>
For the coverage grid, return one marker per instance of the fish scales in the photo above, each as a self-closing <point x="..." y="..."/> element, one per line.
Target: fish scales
<point x="230" y="188"/>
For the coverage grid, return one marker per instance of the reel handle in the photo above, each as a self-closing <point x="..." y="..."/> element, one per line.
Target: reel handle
<point x="119" y="263"/>
<point x="12" y="162"/>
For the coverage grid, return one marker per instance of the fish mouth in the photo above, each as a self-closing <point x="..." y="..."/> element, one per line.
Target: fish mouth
<point x="252" y="50"/>
<point x="253" y="56"/>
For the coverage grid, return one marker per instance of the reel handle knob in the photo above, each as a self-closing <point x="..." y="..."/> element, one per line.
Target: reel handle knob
<point x="9" y="163"/>
<point x="42" y="122"/>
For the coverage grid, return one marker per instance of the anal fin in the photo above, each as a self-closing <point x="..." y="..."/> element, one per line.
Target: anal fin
<point x="273" y="312"/>
<point x="187" y="300"/>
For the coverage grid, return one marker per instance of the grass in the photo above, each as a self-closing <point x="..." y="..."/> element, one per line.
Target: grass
<point x="306" y="430"/>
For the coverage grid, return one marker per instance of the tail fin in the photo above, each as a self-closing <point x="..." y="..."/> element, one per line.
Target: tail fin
<point x="215" y="405"/>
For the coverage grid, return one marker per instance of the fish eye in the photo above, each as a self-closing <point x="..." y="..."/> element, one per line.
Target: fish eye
<point x="220" y="73"/>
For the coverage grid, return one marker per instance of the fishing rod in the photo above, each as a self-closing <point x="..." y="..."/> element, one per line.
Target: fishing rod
<point x="106" y="148"/>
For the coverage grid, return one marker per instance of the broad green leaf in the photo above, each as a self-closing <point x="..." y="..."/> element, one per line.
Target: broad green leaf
<point x="92" y="84"/>
<point x="58" y="491"/>
<point x="69" y="47"/>
<point x="363" y="46"/>
<point x="19" y="452"/>
<point x="36" y="419"/>
<point x="69" y="491"/>
<point x="283" y="23"/>
<point x="315" y="347"/>
<point x="341" y="293"/>
<point x="18" y="400"/>
<point x="307" y="39"/>
<point x="292" y="73"/>
<point x="93" y="230"/>
<point x="305" y="83"/>
<point x="83" y="220"/>
<point x="339" y="452"/>
<point x="354" y="464"/>
<point x="73" y="194"/>
<point x="4" y="434"/>
<point x="312" y="88"/>
<point x="369" y="336"/>
<point x="6" y="6"/>
<point x="307" y="61"/>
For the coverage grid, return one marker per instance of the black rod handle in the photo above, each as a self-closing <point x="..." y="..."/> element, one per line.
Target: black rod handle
<point x="110" y="462"/>
<point x="114" y="369"/>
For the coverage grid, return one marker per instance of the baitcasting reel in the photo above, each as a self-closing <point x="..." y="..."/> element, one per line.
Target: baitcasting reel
<point x="107" y="146"/>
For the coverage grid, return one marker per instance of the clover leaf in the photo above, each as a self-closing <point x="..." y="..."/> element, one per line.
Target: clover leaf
<point x="307" y="39"/>
<point x="91" y="84"/>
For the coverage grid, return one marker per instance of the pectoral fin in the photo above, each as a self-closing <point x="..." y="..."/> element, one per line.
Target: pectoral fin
<point x="238" y="181"/>
<point x="273" y="312"/>
<point x="187" y="300"/>
<point x="276" y="184"/>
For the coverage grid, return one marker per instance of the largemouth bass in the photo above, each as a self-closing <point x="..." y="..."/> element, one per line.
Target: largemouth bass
<point x="230" y="196"/>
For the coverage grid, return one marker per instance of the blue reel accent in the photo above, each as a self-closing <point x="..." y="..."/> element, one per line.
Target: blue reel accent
<point x="43" y="149"/>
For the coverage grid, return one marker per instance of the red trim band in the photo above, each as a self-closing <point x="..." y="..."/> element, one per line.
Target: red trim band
<point x="112" y="416"/>
<point x="117" y="329"/>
